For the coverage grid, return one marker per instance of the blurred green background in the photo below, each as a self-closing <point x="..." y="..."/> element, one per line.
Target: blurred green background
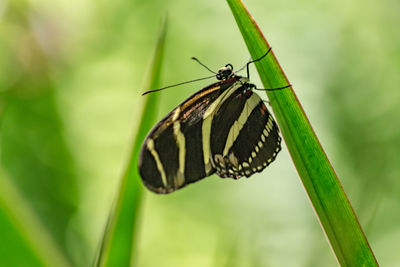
<point x="70" y="91"/>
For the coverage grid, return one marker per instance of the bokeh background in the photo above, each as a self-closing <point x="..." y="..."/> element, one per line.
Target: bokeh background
<point x="70" y="84"/>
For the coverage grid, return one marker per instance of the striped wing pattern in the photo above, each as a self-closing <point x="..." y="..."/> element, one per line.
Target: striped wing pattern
<point x="246" y="142"/>
<point x="223" y="128"/>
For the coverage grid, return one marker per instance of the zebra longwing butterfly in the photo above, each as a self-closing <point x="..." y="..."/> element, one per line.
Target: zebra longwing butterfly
<point x="225" y="128"/>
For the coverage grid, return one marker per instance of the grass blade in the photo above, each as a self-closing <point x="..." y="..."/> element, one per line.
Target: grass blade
<point x="118" y="245"/>
<point x="24" y="239"/>
<point x="328" y="198"/>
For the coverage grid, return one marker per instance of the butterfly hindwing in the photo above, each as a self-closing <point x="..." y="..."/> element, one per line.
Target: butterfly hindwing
<point x="244" y="136"/>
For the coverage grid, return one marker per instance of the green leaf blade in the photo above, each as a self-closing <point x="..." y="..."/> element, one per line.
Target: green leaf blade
<point x="118" y="244"/>
<point x="328" y="198"/>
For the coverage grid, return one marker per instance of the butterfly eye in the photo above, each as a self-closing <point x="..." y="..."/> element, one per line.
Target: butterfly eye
<point x="225" y="72"/>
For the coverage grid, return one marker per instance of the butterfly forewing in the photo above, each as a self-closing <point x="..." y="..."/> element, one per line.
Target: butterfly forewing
<point x="173" y="154"/>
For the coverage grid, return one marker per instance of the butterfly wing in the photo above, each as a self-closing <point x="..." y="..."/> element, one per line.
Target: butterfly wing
<point x="176" y="151"/>
<point x="244" y="136"/>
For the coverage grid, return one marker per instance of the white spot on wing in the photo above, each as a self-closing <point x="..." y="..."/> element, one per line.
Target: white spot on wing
<point x="233" y="160"/>
<point x="260" y="144"/>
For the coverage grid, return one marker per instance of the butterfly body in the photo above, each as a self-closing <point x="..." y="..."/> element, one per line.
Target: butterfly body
<point x="225" y="128"/>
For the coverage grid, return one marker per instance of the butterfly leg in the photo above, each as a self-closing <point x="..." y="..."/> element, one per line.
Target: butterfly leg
<point x="272" y="89"/>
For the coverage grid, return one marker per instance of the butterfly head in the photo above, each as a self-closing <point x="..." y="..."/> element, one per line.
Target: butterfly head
<point x="225" y="72"/>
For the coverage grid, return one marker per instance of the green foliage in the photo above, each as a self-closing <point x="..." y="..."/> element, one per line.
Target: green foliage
<point x="26" y="242"/>
<point x="70" y="99"/>
<point x="118" y="245"/>
<point x="320" y="181"/>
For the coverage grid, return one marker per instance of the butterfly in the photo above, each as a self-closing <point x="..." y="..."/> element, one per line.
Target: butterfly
<point x="225" y="128"/>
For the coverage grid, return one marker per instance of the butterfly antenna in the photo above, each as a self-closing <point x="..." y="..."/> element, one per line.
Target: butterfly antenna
<point x="169" y="86"/>
<point x="242" y="68"/>
<point x="198" y="61"/>
<point x="252" y="61"/>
